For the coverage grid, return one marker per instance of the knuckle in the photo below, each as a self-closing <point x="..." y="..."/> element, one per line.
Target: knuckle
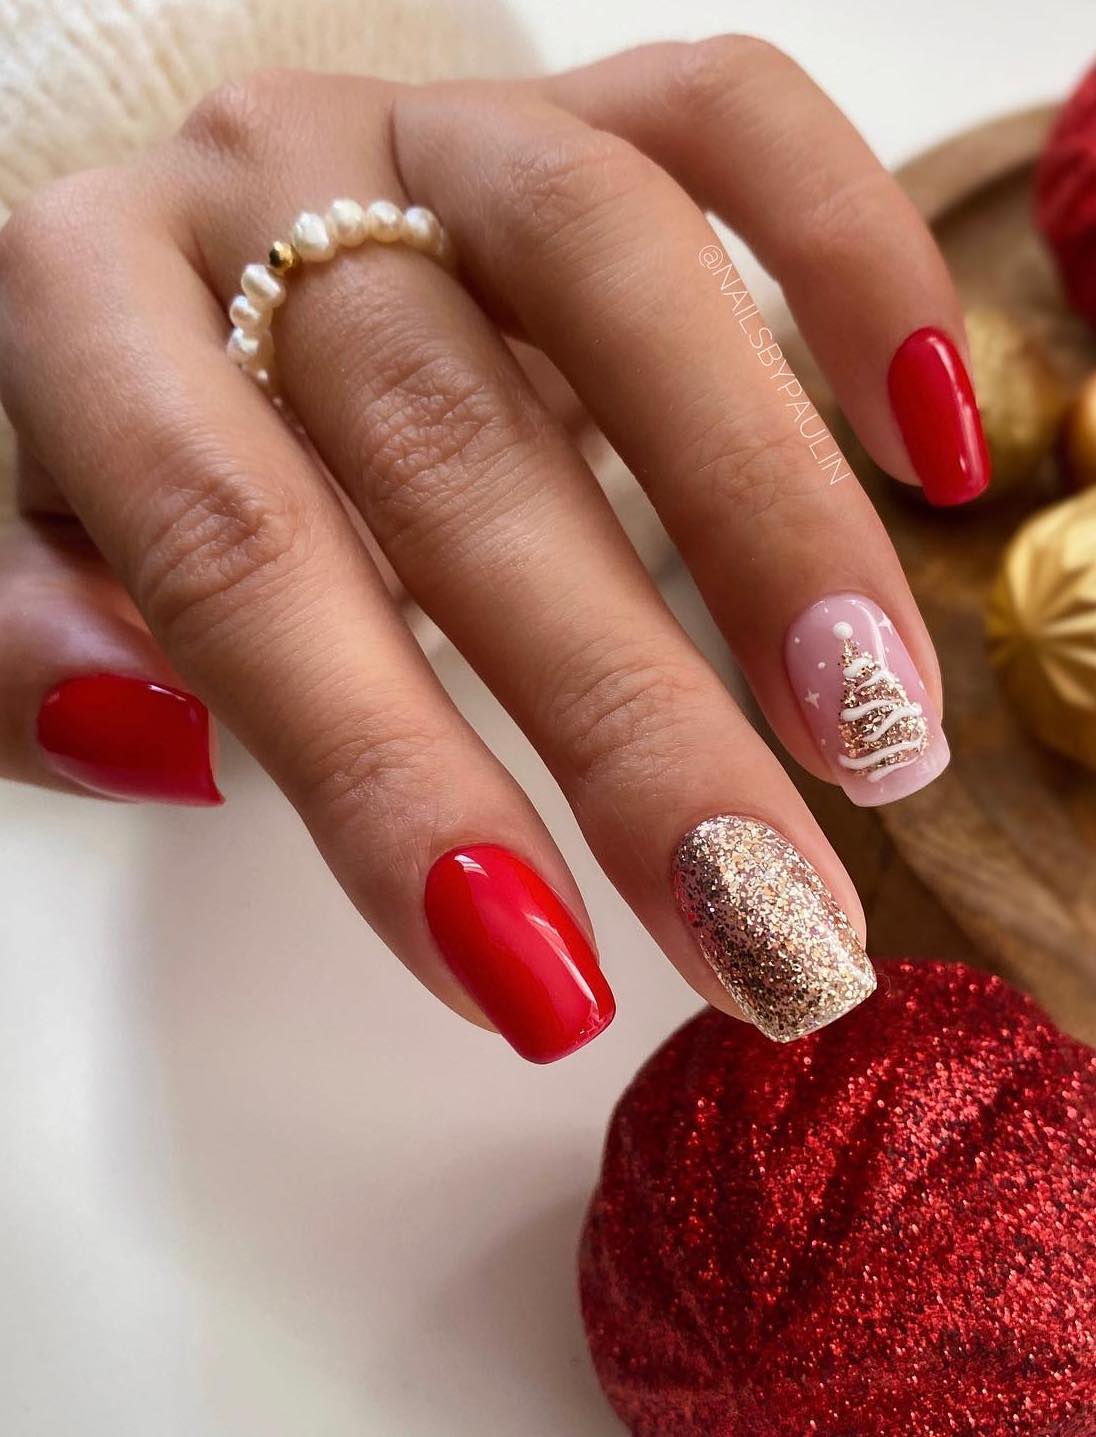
<point x="433" y="442"/>
<point x="709" y="71"/>
<point x="565" y="186"/>
<point x="726" y="80"/>
<point x="45" y="238"/>
<point x="51" y="210"/>
<point x="52" y="230"/>
<point x="832" y="233"/>
<point x="382" y="762"/>
<point x="754" y="474"/>
<point x="219" y="539"/>
<point x="242" y="116"/>
<point x="618" y="721"/>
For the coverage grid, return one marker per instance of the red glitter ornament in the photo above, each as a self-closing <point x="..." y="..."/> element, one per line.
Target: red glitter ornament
<point x="1065" y="196"/>
<point x="886" y="1229"/>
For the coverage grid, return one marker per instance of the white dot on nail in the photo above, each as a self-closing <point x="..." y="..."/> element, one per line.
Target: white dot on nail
<point x="822" y="663"/>
<point x="842" y="630"/>
<point x="796" y="639"/>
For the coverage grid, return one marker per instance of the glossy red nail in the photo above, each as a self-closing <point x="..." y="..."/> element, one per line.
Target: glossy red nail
<point x="128" y="738"/>
<point x="934" y="404"/>
<point x="517" y="951"/>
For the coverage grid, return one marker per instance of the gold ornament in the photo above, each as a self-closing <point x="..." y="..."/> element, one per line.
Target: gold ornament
<point x="1041" y="624"/>
<point x="1079" y="438"/>
<point x="1021" y="396"/>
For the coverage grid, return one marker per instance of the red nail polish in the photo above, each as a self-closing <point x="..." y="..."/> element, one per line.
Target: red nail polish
<point x="129" y="738"/>
<point x="517" y="951"/>
<point x="934" y="404"/>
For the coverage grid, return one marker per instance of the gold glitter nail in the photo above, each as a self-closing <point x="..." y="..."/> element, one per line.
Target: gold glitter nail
<point x="769" y="927"/>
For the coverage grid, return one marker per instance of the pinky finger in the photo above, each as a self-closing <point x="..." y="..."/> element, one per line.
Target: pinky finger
<point x="88" y="704"/>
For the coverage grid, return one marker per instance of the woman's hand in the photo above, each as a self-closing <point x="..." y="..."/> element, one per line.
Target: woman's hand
<point x="575" y="206"/>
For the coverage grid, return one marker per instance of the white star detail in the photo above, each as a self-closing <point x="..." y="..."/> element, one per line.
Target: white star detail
<point x="885" y="623"/>
<point x="811" y="697"/>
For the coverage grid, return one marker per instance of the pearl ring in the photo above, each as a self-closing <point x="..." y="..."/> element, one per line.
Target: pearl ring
<point x="314" y="238"/>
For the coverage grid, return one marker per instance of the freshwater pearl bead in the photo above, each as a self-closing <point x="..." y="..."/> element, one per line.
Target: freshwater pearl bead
<point x="315" y="238"/>
<point x="385" y="221"/>
<point x="263" y="289"/>
<point x="444" y="253"/>
<point x="242" y="348"/>
<point x="421" y="229"/>
<point x="310" y="237"/>
<point x="247" y="316"/>
<point x="346" y="220"/>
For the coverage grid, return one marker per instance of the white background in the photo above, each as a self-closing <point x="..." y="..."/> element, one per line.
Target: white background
<point x="254" y="1183"/>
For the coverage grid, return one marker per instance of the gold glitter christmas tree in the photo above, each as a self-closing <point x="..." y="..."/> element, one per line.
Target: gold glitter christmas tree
<point x="880" y="728"/>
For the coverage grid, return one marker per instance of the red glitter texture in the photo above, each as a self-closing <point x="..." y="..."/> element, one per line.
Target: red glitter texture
<point x="886" y="1229"/>
<point x="1065" y="196"/>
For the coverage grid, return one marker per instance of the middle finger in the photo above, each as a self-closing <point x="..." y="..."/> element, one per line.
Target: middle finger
<point x="607" y="264"/>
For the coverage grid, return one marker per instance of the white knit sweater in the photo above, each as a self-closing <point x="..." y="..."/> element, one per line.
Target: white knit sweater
<point x="90" y="82"/>
<point x="87" y="82"/>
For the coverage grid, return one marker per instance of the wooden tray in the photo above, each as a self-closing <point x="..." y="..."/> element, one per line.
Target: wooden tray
<point x="995" y="862"/>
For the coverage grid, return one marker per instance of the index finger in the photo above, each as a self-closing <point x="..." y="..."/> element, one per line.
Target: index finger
<point x="755" y="140"/>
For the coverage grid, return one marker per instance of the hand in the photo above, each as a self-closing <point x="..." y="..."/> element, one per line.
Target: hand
<point x="575" y="207"/>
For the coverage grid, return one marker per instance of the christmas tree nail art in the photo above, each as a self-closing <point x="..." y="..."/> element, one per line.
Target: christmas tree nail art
<point x="879" y="727"/>
<point x="863" y="700"/>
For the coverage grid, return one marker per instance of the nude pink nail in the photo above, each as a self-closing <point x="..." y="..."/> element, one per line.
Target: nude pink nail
<point x="863" y="701"/>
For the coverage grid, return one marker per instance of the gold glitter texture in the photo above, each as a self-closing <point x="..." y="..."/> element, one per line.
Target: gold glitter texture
<point x="769" y="927"/>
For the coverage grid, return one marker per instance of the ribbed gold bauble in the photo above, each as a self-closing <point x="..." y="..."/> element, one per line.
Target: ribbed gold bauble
<point x="1041" y="624"/>
<point x="1021" y="396"/>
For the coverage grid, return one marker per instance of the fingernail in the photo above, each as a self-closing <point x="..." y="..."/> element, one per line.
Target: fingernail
<point x="934" y="404"/>
<point x="517" y="951"/>
<point x="769" y="927"/>
<point x="863" y="700"/>
<point x="128" y="738"/>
